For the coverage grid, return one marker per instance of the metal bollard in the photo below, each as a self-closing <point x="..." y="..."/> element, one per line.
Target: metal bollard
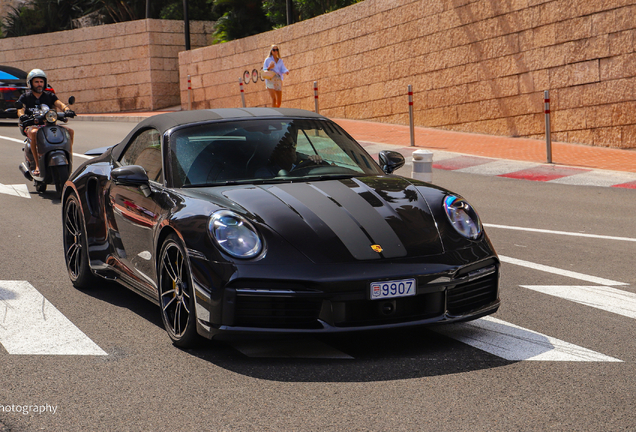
<point x="189" y="94"/>
<point x="422" y="165"/>
<point x="242" y="91"/>
<point x="316" y="95"/>
<point x="548" y="137"/>
<point x="411" y="127"/>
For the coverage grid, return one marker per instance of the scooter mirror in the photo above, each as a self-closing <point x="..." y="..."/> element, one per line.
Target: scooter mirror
<point x="71" y="100"/>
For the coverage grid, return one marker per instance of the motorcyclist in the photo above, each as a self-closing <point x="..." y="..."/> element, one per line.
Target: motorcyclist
<point x="34" y="99"/>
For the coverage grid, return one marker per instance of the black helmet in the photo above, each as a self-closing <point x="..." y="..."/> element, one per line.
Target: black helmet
<point x="36" y="73"/>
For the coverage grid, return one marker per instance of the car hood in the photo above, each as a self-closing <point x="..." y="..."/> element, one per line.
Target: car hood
<point x="362" y="218"/>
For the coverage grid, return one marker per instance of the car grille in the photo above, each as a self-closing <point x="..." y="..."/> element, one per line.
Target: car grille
<point x="285" y="306"/>
<point x="390" y="311"/>
<point x="277" y="312"/>
<point x="471" y="295"/>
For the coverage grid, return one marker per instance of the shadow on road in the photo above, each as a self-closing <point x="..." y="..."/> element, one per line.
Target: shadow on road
<point x="364" y="357"/>
<point x="119" y="296"/>
<point x="375" y="356"/>
<point x="49" y="194"/>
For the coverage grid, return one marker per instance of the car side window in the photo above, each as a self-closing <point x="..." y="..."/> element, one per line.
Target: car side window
<point x="145" y="151"/>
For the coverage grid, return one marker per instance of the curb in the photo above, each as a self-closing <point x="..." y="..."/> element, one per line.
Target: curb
<point x="520" y="170"/>
<point x="111" y="118"/>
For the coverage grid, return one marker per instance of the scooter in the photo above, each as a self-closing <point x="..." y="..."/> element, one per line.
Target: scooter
<point x="54" y="148"/>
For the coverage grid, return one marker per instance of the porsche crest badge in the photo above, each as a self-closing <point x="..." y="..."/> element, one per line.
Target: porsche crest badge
<point x="376" y="248"/>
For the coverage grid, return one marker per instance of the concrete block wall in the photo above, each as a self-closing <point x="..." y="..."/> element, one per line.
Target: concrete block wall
<point x="129" y="66"/>
<point x="475" y="65"/>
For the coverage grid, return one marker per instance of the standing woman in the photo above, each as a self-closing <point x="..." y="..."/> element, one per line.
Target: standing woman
<point x="275" y="85"/>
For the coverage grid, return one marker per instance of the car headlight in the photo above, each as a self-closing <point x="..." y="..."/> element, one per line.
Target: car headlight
<point x="51" y="116"/>
<point x="234" y="234"/>
<point x="462" y="216"/>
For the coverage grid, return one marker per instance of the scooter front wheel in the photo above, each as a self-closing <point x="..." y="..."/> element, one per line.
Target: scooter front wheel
<point x="60" y="175"/>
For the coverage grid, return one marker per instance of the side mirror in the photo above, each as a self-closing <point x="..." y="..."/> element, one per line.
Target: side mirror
<point x="132" y="175"/>
<point x="390" y="161"/>
<point x="71" y="100"/>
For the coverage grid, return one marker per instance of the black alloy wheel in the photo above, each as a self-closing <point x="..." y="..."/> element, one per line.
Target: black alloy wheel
<point x="176" y="294"/>
<point x="75" y="246"/>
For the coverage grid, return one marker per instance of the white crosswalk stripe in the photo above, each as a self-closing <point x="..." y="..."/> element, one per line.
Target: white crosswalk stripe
<point x="560" y="272"/>
<point x="30" y="324"/>
<point x="19" y="190"/>
<point x="515" y="343"/>
<point x="600" y="297"/>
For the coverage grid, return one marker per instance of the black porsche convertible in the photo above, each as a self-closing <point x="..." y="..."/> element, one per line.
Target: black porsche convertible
<point x="265" y="220"/>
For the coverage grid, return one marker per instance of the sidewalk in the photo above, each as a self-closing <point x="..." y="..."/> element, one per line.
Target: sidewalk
<point x="564" y="155"/>
<point x="519" y="149"/>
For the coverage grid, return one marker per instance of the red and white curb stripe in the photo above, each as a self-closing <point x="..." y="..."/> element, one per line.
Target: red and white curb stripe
<point x="517" y="169"/>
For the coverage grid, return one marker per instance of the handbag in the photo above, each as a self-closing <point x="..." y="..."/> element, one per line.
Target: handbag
<point x="267" y="74"/>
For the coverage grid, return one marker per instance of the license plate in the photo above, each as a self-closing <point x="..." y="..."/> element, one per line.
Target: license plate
<point x="390" y="289"/>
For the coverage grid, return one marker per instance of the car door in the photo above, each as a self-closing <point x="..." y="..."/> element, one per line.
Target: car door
<point x="136" y="214"/>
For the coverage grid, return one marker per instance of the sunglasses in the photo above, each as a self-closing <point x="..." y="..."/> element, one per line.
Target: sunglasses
<point x="275" y="49"/>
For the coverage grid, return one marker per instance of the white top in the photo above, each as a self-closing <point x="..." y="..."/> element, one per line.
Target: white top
<point x="279" y="66"/>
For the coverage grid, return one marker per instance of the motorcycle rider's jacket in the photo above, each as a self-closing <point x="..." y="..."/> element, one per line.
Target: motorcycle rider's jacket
<point x="30" y="102"/>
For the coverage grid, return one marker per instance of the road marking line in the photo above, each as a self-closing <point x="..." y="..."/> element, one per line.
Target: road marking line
<point x="19" y="190"/>
<point x="600" y="297"/>
<point x="515" y="343"/>
<point x="603" y="237"/>
<point x="289" y="348"/>
<point x="30" y="324"/>
<point x="21" y="141"/>
<point x="560" y="272"/>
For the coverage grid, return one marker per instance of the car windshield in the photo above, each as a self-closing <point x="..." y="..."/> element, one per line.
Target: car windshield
<point x="265" y="151"/>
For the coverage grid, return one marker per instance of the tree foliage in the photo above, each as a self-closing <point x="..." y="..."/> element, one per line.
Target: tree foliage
<point x="235" y="18"/>
<point x="241" y="18"/>
<point x="276" y="10"/>
<point x="45" y="16"/>
<point x="238" y="18"/>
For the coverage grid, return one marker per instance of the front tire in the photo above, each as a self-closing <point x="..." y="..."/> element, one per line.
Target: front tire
<point x="176" y="297"/>
<point x="75" y="245"/>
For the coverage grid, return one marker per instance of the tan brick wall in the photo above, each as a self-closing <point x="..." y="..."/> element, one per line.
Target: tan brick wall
<point x="475" y="65"/>
<point x="111" y="68"/>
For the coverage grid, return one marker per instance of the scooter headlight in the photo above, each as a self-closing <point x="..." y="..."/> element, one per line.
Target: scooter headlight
<point x="51" y="116"/>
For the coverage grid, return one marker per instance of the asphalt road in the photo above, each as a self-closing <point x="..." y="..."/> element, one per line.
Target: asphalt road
<point x="418" y="379"/>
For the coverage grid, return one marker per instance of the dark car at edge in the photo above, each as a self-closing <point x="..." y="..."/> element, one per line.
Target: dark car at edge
<point x="12" y="85"/>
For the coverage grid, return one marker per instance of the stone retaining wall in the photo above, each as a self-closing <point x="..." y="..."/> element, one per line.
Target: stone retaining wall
<point x="128" y="66"/>
<point x="475" y="65"/>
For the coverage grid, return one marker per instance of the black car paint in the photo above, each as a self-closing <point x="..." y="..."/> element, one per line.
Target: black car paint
<point x="309" y="248"/>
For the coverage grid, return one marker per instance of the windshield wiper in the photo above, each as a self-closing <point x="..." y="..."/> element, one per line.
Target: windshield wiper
<point x="327" y="177"/>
